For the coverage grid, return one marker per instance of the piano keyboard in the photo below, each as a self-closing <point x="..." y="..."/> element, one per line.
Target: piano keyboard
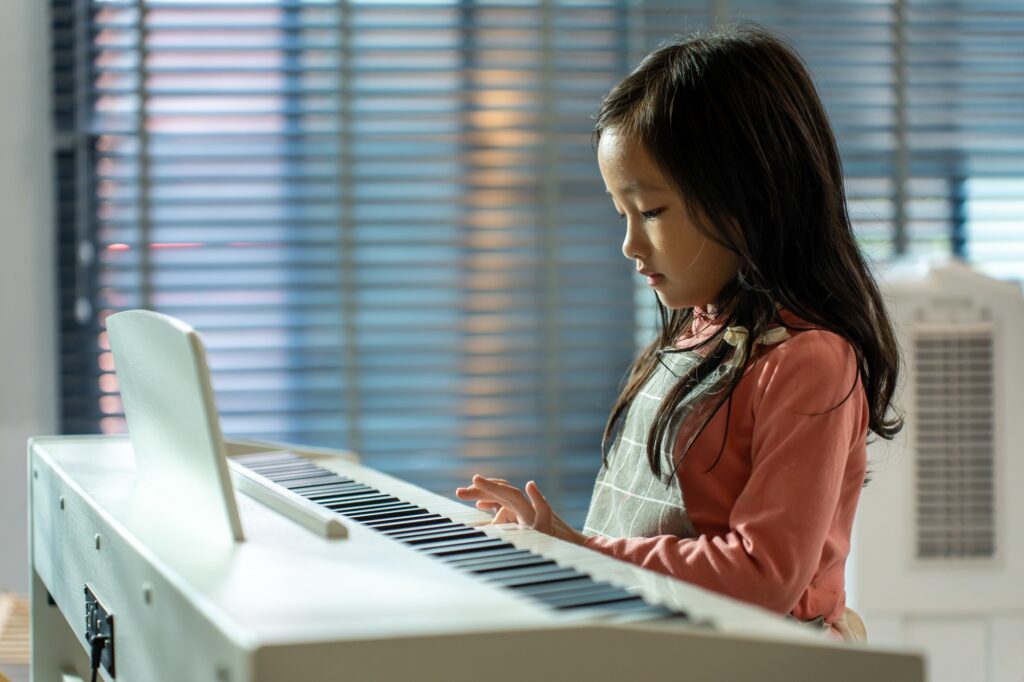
<point x="462" y="547"/>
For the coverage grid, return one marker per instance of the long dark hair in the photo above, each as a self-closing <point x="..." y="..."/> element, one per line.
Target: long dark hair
<point x="732" y="117"/>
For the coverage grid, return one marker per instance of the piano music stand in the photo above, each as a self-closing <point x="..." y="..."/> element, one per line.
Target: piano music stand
<point x="172" y="418"/>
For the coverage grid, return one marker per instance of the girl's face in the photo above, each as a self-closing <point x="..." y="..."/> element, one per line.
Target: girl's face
<point x="683" y="266"/>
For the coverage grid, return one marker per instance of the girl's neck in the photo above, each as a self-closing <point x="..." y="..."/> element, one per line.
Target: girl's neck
<point x="708" y="311"/>
<point x="709" y="314"/>
<point x="706" y="322"/>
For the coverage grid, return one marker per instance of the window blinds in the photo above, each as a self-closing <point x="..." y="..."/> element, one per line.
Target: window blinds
<point x="852" y="51"/>
<point x="964" y="104"/>
<point x="387" y="221"/>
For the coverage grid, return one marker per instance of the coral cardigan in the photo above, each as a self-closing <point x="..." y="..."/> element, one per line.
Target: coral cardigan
<point x="774" y="515"/>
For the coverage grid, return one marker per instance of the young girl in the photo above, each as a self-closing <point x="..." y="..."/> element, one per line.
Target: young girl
<point x="735" y="454"/>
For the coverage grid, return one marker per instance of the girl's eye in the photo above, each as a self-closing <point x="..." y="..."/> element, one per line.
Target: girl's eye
<point x="646" y="215"/>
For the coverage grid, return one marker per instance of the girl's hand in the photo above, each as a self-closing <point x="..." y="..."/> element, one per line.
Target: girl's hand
<point x="514" y="507"/>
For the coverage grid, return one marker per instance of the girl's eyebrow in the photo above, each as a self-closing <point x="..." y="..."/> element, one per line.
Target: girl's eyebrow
<point x="638" y="186"/>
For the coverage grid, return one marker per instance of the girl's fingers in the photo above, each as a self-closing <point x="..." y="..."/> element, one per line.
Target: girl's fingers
<point x="542" y="518"/>
<point x="530" y="509"/>
<point x="472" y="490"/>
<point x="505" y="515"/>
<point x="510" y="497"/>
<point x="497" y="487"/>
<point x="512" y="504"/>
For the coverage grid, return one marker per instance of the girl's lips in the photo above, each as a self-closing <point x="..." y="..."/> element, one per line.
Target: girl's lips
<point x="653" y="278"/>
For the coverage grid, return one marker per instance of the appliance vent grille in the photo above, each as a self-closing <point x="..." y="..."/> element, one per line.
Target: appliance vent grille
<point x="955" y="428"/>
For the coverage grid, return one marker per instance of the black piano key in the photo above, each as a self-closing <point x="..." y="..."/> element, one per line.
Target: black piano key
<point x="423" y="521"/>
<point x="329" y="491"/>
<point x="327" y="486"/>
<point x="554" y="577"/>
<point x="273" y="470"/>
<point x="422" y="531"/>
<point x="294" y="474"/>
<point x="580" y="594"/>
<point x="485" y="553"/>
<point x="605" y="594"/>
<point x="498" y="566"/>
<point x="418" y="515"/>
<point x="356" y="506"/>
<point x="359" y="514"/>
<point x="283" y="471"/>
<point x="353" y="509"/>
<point x="339" y="481"/>
<point x="634" y="603"/>
<point x="637" y="607"/>
<point x="515" y="555"/>
<point x="361" y="502"/>
<point x="398" y="504"/>
<point x="393" y="511"/>
<point x="342" y="483"/>
<point x="462" y="548"/>
<point x="325" y="496"/>
<point x="549" y="566"/>
<point x="302" y="482"/>
<point x="466" y="562"/>
<point x="365" y="503"/>
<point x="444" y="539"/>
<point x="302" y="479"/>
<point x="583" y="582"/>
<point x="322" y="496"/>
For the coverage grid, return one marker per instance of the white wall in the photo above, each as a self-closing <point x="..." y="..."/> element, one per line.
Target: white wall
<point x="28" y="320"/>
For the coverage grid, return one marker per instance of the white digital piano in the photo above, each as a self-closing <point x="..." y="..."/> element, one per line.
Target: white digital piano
<point x="346" y="573"/>
<point x="175" y="555"/>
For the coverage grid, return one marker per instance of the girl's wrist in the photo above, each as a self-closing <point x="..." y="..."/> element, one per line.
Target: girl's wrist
<point x="570" y="534"/>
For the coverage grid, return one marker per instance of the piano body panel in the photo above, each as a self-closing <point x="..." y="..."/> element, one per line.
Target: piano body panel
<point x="187" y="606"/>
<point x="175" y="636"/>
<point x="598" y="653"/>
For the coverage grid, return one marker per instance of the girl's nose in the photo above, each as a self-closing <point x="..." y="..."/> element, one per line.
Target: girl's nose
<point x="632" y="243"/>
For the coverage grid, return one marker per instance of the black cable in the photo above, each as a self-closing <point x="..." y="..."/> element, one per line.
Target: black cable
<point x="97" y="643"/>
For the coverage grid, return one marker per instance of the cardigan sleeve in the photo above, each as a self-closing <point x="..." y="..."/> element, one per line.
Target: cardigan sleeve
<point x="783" y="515"/>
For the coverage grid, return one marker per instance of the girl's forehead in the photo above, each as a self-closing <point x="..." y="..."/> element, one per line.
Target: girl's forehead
<point x="627" y="167"/>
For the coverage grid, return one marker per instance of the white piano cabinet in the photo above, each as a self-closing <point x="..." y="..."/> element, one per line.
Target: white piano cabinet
<point x="290" y="604"/>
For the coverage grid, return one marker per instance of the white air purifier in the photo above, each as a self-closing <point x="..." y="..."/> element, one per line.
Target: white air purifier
<point x="938" y="549"/>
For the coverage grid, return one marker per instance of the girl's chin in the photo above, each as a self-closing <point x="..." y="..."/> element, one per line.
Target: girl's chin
<point x="675" y="302"/>
<point x="678" y="300"/>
